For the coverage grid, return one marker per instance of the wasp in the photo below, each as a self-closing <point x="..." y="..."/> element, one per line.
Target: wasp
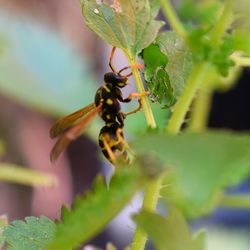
<point x="107" y="104"/>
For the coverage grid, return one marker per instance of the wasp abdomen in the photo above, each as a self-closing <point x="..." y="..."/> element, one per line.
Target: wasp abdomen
<point x="111" y="142"/>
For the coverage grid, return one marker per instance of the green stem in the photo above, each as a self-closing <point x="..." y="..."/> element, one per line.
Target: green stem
<point x="144" y="99"/>
<point x="149" y="203"/>
<point x="200" y="110"/>
<point x="240" y="60"/>
<point x="223" y="23"/>
<point x="235" y="201"/>
<point x="193" y="84"/>
<point x="172" y="18"/>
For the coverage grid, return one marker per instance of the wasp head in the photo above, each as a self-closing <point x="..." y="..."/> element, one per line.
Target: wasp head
<point x="116" y="79"/>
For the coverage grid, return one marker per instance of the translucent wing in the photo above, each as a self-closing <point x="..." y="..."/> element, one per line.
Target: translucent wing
<point x="68" y="121"/>
<point x="72" y="134"/>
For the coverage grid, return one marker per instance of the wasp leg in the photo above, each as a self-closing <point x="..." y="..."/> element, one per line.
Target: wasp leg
<point x="125" y="144"/>
<point x="111" y="59"/>
<point x="121" y="139"/>
<point x="134" y="111"/>
<point x="109" y="151"/>
<point x="131" y="95"/>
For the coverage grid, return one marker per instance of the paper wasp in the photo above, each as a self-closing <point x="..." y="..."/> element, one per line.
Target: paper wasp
<point x="107" y="105"/>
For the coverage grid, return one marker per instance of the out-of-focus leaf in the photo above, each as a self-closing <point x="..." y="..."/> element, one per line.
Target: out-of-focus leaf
<point x="21" y="175"/>
<point x="129" y="25"/>
<point x="171" y="233"/>
<point x="221" y="58"/>
<point x="32" y="234"/>
<point x="241" y="41"/>
<point x="3" y="224"/>
<point x="201" y="165"/>
<point x="91" y="213"/>
<point x="202" y="12"/>
<point x="41" y="71"/>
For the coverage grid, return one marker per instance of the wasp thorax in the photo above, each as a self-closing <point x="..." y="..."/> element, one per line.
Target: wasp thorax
<point x="116" y="79"/>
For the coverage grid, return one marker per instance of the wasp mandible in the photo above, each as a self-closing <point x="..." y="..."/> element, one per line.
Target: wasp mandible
<point x="107" y="105"/>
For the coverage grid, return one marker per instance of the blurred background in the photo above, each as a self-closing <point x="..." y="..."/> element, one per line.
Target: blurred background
<point x="50" y="65"/>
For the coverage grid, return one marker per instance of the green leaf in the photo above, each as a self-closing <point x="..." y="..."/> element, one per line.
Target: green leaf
<point x="91" y="213"/>
<point x="241" y="41"/>
<point x="171" y="233"/>
<point x="168" y="63"/>
<point x="128" y="25"/>
<point x="200" y="166"/>
<point x="21" y="175"/>
<point x="221" y="57"/>
<point x="32" y="234"/>
<point x="201" y="12"/>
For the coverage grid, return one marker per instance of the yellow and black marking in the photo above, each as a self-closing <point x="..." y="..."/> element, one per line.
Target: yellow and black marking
<point x="107" y="105"/>
<point x="111" y="142"/>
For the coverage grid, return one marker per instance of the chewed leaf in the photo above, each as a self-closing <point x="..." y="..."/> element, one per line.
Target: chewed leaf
<point x="168" y="62"/>
<point x="32" y="234"/>
<point x="128" y="25"/>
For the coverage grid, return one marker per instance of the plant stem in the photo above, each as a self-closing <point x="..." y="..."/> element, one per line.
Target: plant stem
<point x="235" y="201"/>
<point x="172" y="18"/>
<point x="200" y="111"/>
<point x="193" y="84"/>
<point x="223" y="23"/>
<point x="240" y="60"/>
<point x="144" y="99"/>
<point x="149" y="204"/>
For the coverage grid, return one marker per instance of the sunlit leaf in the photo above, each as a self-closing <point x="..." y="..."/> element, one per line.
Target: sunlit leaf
<point x="128" y="25"/>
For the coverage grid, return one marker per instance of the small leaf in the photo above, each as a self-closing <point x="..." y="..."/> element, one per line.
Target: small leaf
<point x="91" y="213"/>
<point x="171" y="233"/>
<point x="22" y="175"/>
<point x="32" y="234"/>
<point x="200" y="166"/>
<point x="128" y="25"/>
<point x="221" y="57"/>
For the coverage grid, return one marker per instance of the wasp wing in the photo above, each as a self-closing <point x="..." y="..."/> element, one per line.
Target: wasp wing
<point x="72" y="134"/>
<point x="68" y="121"/>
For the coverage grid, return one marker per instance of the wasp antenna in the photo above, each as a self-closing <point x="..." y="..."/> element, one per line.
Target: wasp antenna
<point x="136" y="65"/>
<point x="111" y="59"/>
